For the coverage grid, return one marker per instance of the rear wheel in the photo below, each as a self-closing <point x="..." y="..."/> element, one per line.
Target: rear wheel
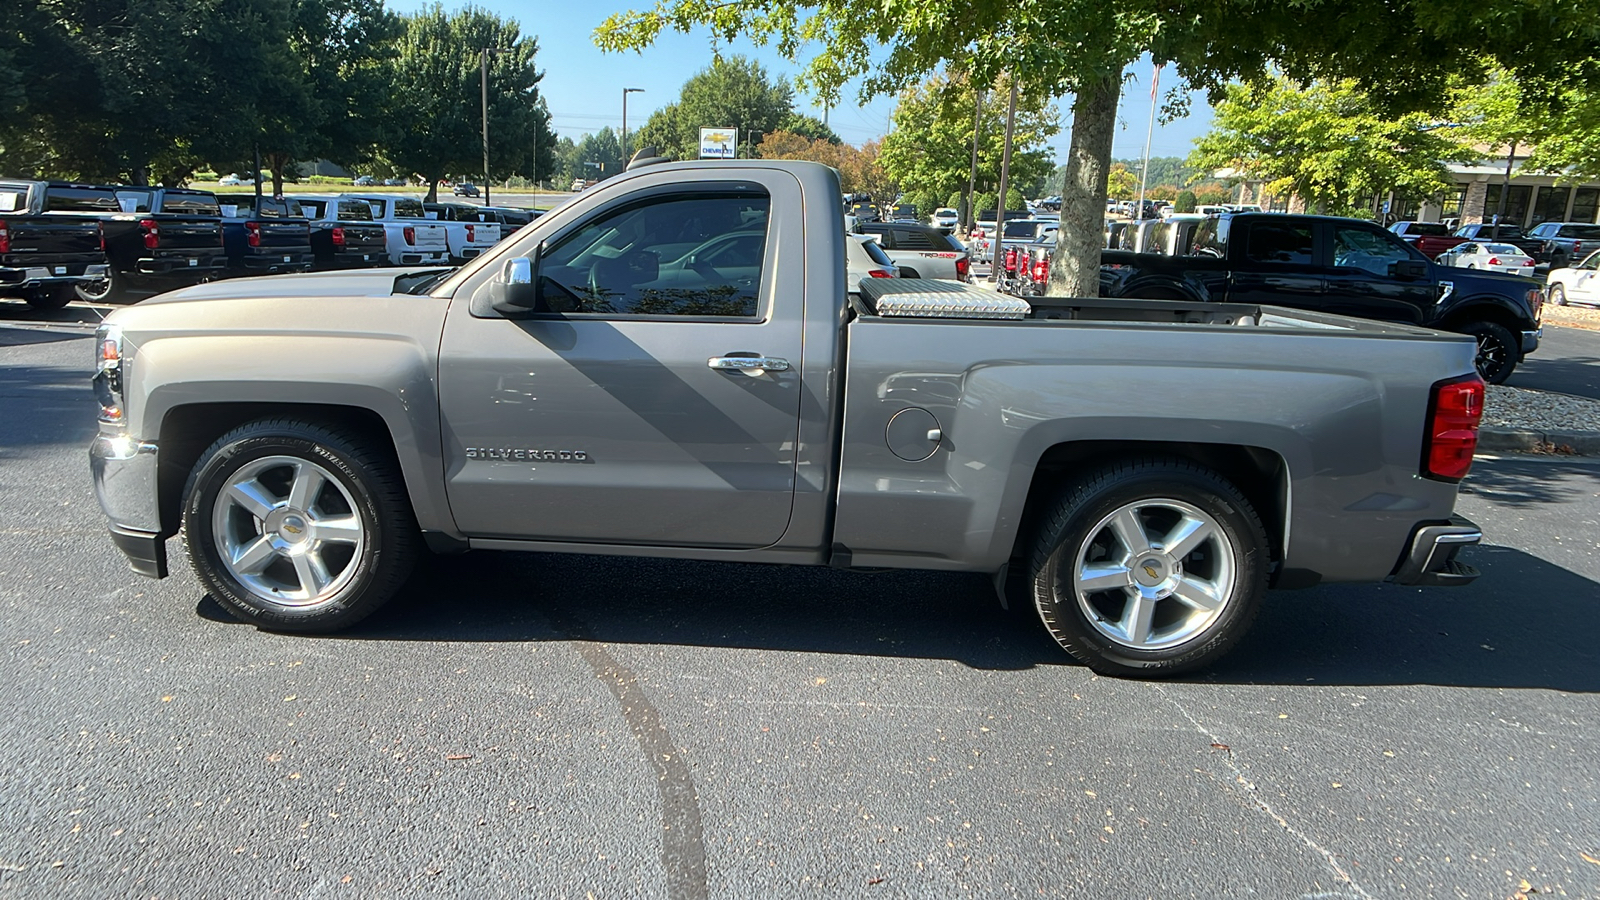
<point x="48" y="299"/>
<point x="1149" y="568"/>
<point x="110" y="289"/>
<point x="297" y="527"/>
<point x="1498" y="350"/>
<point x="1558" y="295"/>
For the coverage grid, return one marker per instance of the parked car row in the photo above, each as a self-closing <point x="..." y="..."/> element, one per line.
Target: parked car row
<point x="60" y="240"/>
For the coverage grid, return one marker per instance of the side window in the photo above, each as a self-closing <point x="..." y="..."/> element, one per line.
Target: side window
<point x="1280" y="242"/>
<point x="678" y="254"/>
<point x="1374" y="251"/>
<point x="912" y="240"/>
<point x="1590" y="264"/>
<point x="1211" y="239"/>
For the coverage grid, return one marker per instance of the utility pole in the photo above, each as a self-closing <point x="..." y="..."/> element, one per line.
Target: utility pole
<point x="1144" y="173"/>
<point x="483" y="72"/>
<point x="968" y="215"/>
<point x="997" y="249"/>
<point x="623" y="142"/>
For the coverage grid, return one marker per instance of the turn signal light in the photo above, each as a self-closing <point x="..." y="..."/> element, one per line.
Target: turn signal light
<point x="1454" y="412"/>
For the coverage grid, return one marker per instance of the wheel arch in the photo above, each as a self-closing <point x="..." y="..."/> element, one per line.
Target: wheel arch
<point x="1484" y="309"/>
<point x="188" y="429"/>
<point x="1259" y="473"/>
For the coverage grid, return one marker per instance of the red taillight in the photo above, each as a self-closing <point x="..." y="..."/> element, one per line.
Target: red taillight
<point x="5" y="238"/>
<point x="101" y="227"/>
<point x="1527" y="262"/>
<point x="337" y="234"/>
<point x="471" y="234"/>
<point x="1494" y="260"/>
<point x="1011" y="260"/>
<point x="880" y="273"/>
<point x="1454" y="412"/>
<point x="963" y="266"/>
<point x="411" y="234"/>
<point x="1041" y="271"/>
<point x="252" y="233"/>
<point x="151" y="232"/>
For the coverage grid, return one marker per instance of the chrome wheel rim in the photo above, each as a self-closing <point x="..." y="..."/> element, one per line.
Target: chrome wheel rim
<point x="287" y="531"/>
<point x="1154" y="574"/>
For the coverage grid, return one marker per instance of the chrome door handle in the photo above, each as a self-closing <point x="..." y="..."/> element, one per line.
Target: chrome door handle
<point x="750" y="365"/>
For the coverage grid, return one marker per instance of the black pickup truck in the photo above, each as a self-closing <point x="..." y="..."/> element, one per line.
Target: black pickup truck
<point x="50" y="240"/>
<point x="157" y="240"/>
<point x="1344" y="266"/>
<point x="343" y="234"/>
<point x="265" y="236"/>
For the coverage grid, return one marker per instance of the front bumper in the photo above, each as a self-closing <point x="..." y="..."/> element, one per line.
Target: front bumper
<point x="125" y="482"/>
<point x="1431" y="560"/>
<point x="1530" y="340"/>
<point x="40" y="276"/>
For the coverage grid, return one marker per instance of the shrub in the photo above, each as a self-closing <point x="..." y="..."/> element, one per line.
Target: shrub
<point x="1184" y="203"/>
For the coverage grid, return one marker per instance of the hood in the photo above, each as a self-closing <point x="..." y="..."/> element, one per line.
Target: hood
<point x="349" y="283"/>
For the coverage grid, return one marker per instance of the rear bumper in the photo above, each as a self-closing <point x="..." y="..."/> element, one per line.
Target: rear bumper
<point x="268" y="263"/>
<point x="125" y="472"/>
<point x="40" y="276"/>
<point x="1431" y="560"/>
<point x="358" y="259"/>
<point x="178" y="265"/>
<point x="411" y="258"/>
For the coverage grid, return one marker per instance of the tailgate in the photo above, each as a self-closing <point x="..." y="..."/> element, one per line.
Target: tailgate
<point x="42" y="239"/>
<point x="285" y="234"/>
<point x="363" y="238"/>
<point x="430" y="236"/>
<point x="188" y="232"/>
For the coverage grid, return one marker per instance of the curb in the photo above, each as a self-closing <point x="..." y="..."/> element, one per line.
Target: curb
<point x="1522" y="440"/>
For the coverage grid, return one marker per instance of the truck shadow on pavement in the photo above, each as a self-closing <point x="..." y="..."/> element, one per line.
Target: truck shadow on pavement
<point x="72" y="314"/>
<point x="1525" y="624"/>
<point x="1524" y="483"/>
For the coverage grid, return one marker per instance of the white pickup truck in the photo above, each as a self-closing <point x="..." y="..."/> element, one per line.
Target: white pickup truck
<point x="469" y="230"/>
<point x="411" y="237"/>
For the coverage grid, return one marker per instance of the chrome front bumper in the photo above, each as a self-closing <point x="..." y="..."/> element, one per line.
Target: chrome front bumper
<point x="1432" y="557"/>
<point x="125" y="473"/>
<point x="1530" y="340"/>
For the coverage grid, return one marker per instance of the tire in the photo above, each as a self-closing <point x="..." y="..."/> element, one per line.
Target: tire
<point x="111" y="289"/>
<point x="50" y="299"/>
<point x="1498" y="350"/>
<point x="297" y="527"/>
<point x="1226" y="571"/>
<point x="1558" y="295"/>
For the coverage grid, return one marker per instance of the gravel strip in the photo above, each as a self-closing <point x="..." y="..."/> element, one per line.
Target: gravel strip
<point x="1585" y="317"/>
<point x="1509" y="407"/>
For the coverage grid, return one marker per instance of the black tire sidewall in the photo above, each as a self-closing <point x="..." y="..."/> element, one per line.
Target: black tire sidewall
<point x="1192" y="485"/>
<point x="1502" y="335"/>
<point x="228" y="455"/>
<point x="51" y="299"/>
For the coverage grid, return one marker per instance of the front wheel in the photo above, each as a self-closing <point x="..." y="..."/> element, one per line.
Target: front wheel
<point x="1149" y="568"/>
<point x="1558" y="295"/>
<point x="296" y="527"/>
<point x="1498" y="351"/>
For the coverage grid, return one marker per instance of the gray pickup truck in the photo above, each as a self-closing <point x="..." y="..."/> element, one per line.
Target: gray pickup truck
<point x="670" y="365"/>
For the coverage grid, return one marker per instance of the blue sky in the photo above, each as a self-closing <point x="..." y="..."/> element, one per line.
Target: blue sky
<point x="583" y="86"/>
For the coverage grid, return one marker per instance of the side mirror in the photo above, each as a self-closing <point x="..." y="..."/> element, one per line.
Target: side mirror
<point x="1410" y="268"/>
<point x="516" y="291"/>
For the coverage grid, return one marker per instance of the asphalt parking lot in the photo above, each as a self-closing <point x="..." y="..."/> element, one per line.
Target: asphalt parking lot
<point x="531" y="725"/>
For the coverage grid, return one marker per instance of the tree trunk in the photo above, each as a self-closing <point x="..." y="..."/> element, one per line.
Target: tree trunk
<point x="1075" y="268"/>
<point x="140" y="175"/>
<point x="277" y="163"/>
<point x="433" y="189"/>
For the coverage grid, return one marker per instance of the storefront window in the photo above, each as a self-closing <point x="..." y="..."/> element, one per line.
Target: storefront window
<point x="1516" y="203"/>
<point x="1550" y="204"/>
<point x="1585" y="204"/>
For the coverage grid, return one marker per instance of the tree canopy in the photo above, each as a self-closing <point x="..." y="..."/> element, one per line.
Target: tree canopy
<point x="1328" y="142"/>
<point x="928" y="150"/>
<point x="732" y="92"/>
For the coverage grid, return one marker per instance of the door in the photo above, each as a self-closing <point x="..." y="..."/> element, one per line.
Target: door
<point x="1278" y="266"/>
<point x="1584" y="283"/>
<point x="606" y="422"/>
<point x="1361" y="279"/>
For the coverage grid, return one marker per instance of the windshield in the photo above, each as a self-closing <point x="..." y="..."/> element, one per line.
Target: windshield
<point x="1430" y="229"/>
<point x="354" y="211"/>
<point x="1023" y="229"/>
<point x="1501" y="248"/>
<point x="191" y="204"/>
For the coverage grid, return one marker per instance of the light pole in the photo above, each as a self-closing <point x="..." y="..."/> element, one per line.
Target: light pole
<point x="483" y="71"/>
<point x="624" y="140"/>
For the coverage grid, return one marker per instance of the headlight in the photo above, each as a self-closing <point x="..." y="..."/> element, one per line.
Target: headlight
<point x="109" y="373"/>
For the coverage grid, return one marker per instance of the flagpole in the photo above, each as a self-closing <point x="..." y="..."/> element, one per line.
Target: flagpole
<point x="1144" y="173"/>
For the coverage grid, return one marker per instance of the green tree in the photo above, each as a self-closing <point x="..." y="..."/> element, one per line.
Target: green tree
<point x="1405" y="49"/>
<point x="1185" y="202"/>
<point x="1121" y="184"/>
<point x="929" y="147"/>
<point x="810" y="127"/>
<point x="1329" y="143"/>
<point x="732" y="92"/>
<point x="1561" y="123"/>
<point x="434" y="106"/>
